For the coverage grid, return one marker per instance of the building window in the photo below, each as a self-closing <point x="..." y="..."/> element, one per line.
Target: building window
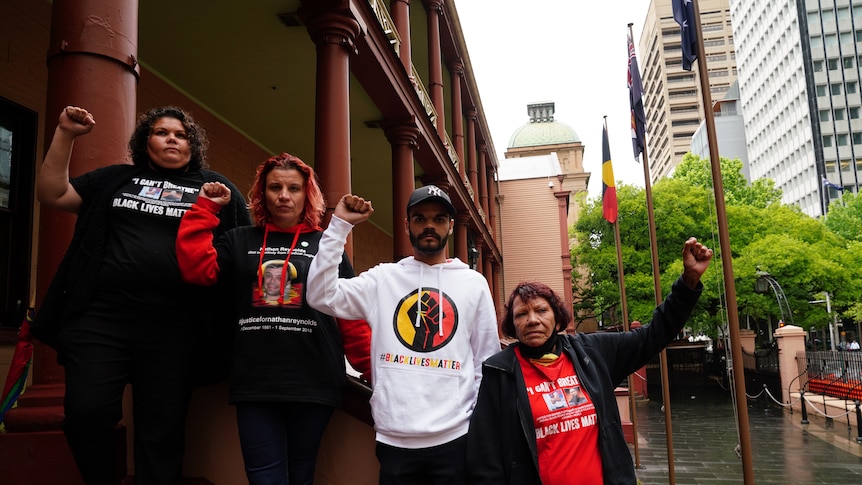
<point x="833" y="64"/>
<point x="851" y="87"/>
<point x="857" y="138"/>
<point x="835" y="88"/>
<point x="839" y="114"/>
<point x="830" y="167"/>
<point x="827" y="141"/>
<point x="821" y="90"/>
<point x="854" y="113"/>
<point x="848" y="62"/>
<point x="842" y="141"/>
<point x="824" y="115"/>
<point x="818" y="66"/>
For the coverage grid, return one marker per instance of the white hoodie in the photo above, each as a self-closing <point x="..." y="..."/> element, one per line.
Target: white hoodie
<point x="425" y="366"/>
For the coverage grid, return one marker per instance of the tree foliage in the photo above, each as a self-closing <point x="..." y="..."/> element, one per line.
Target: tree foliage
<point x="802" y="254"/>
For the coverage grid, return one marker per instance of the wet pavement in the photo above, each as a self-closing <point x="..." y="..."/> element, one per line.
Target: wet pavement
<point x="784" y="451"/>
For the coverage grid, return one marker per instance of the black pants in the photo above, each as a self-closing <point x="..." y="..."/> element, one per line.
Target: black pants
<point x="101" y="356"/>
<point x="439" y="465"/>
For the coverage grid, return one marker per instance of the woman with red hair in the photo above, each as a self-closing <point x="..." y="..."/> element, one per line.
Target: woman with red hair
<point x="287" y="367"/>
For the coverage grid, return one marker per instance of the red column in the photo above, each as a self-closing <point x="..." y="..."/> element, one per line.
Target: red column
<point x="566" y="258"/>
<point x="457" y="71"/>
<point x="404" y="139"/>
<point x="480" y="258"/>
<point x="495" y="285"/>
<point x="92" y="65"/>
<point x="334" y="35"/>
<point x="401" y="18"/>
<point x="461" y="221"/>
<point x="492" y="204"/>
<point x="483" y="182"/>
<point x="435" y="63"/>
<point x="471" y="154"/>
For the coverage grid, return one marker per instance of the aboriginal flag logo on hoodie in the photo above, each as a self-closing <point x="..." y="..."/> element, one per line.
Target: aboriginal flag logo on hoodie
<point x="425" y="320"/>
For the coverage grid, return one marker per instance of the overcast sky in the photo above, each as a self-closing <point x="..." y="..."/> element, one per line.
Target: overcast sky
<point x="572" y="52"/>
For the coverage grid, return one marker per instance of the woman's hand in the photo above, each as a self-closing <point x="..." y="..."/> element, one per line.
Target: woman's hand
<point x="695" y="260"/>
<point x="216" y="192"/>
<point x="76" y="121"/>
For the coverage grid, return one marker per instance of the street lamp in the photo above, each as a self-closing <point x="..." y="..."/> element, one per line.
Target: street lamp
<point x="764" y="283"/>
<point x="833" y="325"/>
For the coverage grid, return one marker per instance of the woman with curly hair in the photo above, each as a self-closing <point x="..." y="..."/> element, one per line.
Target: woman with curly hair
<point x="287" y="370"/>
<point x="112" y="311"/>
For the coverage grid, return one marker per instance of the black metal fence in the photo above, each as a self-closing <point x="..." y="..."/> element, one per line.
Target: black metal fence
<point x="834" y="373"/>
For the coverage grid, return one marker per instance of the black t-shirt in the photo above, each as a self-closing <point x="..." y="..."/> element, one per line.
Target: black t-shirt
<point x="140" y="264"/>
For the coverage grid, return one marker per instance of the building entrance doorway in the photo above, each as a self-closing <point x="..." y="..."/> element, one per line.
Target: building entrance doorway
<point x="18" y="127"/>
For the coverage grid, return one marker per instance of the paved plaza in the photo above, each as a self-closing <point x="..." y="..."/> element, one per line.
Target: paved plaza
<point x="785" y="451"/>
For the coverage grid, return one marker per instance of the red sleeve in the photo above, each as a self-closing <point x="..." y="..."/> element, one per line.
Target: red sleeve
<point x="197" y="258"/>
<point x="356" y="335"/>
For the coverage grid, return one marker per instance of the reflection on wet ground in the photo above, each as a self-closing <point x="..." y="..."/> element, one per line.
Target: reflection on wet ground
<point x="784" y="451"/>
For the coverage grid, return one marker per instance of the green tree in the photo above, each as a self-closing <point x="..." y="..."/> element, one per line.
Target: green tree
<point x="845" y="217"/>
<point x="766" y="236"/>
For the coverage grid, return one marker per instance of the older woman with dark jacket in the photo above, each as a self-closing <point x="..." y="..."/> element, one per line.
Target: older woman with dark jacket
<point x="527" y="427"/>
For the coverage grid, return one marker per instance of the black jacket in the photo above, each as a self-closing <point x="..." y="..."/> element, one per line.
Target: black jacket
<point x="501" y="444"/>
<point x="74" y="284"/>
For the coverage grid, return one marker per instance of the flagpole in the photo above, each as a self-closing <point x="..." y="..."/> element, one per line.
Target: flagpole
<point x="665" y="380"/>
<point x="726" y="258"/>
<point x="626" y="327"/>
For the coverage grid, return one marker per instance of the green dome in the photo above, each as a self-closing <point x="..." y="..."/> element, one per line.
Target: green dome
<point x="542" y="129"/>
<point x="543" y="133"/>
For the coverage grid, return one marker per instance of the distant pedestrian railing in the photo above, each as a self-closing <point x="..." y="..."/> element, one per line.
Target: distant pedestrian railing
<point x="835" y="373"/>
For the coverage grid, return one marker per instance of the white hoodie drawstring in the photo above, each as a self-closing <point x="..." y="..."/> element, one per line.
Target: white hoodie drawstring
<point x="439" y="303"/>
<point x="419" y="299"/>
<point x="440" y="295"/>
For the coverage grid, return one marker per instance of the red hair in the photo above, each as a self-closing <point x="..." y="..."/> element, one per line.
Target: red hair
<point x="314" y="207"/>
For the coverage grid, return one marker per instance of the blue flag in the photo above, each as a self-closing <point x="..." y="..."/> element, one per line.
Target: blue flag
<point x="829" y="184"/>
<point x="636" y="102"/>
<point x="683" y="13"/>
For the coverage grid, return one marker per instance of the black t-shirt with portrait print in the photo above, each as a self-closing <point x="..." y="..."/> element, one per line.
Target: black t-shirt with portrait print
<point x="140" y="265"/>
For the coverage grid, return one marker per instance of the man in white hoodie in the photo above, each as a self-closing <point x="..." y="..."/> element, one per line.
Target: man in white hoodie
<point x="432" y="322"/>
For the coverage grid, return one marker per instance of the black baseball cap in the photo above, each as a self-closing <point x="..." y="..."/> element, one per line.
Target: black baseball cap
<point x="430" y="193"/>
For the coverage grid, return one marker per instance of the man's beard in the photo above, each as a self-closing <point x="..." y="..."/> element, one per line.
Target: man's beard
<point x="424" y="246"/>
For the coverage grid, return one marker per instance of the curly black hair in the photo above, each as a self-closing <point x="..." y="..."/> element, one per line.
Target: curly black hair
<point x="197" y="136"/>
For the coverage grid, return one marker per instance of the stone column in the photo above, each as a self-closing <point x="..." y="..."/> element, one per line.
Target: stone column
<point x="92" y="65"/>
<point x="747" y="339"/>
<point x="435" y="63"/>
<point x="456" y="69"/>
<point x="461" y="222"/>
<point x="483" y="183"/>
<point x="472" y="116"/>
<point x="334" y="35"/>
<point x="565" y="258"/>
<point x="403" y="138"/>
<point x="791" y="341"/>
<point x="401" y="18"/>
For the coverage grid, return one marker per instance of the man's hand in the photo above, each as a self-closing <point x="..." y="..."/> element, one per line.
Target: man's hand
<point x="695" y="260"/>
<point x="353" y="209"/>
<point x="76" y="121"/>
<point x="216" y="192"/>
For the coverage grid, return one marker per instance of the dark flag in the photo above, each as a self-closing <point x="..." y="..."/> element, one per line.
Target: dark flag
<point x="827" y="183"/>
<point x="609" y="190"/>
<point x="636" y="102"/>
<point x="683" y="13"/>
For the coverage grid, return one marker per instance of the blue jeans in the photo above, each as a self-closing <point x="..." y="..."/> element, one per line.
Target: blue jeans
<point x="279" y="441"/>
